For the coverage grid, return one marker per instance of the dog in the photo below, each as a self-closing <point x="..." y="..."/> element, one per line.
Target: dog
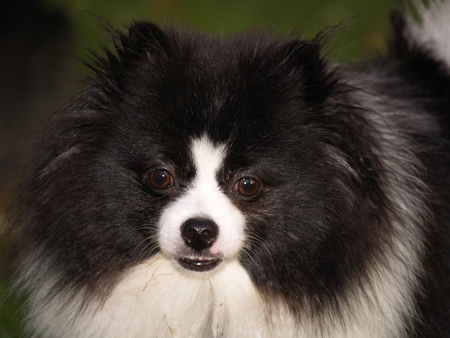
<point x="244" y="187"/>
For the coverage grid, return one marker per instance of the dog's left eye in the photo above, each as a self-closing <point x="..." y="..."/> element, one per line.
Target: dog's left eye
<point x="247" y="186"/>
<point x="160" y="179"/>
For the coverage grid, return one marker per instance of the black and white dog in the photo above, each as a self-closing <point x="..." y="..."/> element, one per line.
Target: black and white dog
<point x="245" y="187"/>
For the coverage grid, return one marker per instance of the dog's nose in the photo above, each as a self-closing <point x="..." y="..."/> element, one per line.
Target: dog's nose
<point x="199" y="233"/>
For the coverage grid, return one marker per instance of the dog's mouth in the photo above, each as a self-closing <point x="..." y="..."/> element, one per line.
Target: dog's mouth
<point x="200" y="264"/>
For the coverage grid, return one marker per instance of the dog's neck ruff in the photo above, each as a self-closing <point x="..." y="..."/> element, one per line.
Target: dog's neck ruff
<point x="158" y="299"/>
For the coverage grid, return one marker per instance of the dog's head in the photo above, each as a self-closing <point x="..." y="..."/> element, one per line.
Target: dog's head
<point x="206" y="150"/>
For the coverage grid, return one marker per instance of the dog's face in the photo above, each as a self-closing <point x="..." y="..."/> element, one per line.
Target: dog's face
<point x="210" y="152"/>
<point x="203" y="225"/>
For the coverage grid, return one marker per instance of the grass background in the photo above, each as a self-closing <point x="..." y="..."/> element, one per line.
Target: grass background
<point x="363" y="34"/>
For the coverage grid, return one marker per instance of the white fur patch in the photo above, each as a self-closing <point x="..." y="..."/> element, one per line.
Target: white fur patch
<point x="434" y="29"/>
<point x="203" y="198"/>
<point x="155" y="299"/>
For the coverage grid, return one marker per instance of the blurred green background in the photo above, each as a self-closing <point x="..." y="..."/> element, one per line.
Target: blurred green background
<point x="41" y="42"/>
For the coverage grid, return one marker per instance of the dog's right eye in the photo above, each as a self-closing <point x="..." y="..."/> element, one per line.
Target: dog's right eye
<point x="160" y="179"/>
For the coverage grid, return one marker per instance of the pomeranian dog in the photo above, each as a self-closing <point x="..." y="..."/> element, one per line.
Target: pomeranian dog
<point x="245" y="187"/>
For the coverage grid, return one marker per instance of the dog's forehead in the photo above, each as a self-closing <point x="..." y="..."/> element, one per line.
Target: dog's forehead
<point x="207" y="157"/>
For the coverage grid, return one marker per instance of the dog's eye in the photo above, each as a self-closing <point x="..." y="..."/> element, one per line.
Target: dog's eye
<point x="160" y="179"/>
<point x="247" y="186"/>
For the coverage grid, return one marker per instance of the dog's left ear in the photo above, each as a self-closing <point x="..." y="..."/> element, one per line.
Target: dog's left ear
<point x="303" y="61"/>
<point x="304" y="55"/>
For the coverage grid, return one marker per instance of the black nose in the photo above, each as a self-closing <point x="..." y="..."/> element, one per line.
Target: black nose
<point x="199" y="233"/>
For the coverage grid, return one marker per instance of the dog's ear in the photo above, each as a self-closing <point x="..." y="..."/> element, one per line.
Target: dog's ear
<point x="304" y="55"/>
<point x="145" y="37"/>
<point x="142" y="41"/>
<point x="302" y="60"/>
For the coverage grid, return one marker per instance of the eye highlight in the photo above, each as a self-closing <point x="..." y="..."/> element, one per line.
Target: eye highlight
<point x="160" y="179"/>
<point x="247" y="186"/>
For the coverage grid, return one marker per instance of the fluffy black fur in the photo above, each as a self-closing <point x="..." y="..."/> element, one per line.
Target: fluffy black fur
<point x="334" y="147"/>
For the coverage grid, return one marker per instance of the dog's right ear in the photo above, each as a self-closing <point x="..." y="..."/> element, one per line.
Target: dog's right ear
<point x="145" y="37"/>
<point x="142" y="40"/>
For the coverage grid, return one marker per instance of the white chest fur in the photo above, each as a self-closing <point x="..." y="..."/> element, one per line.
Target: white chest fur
<point x="157" y="299"/>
